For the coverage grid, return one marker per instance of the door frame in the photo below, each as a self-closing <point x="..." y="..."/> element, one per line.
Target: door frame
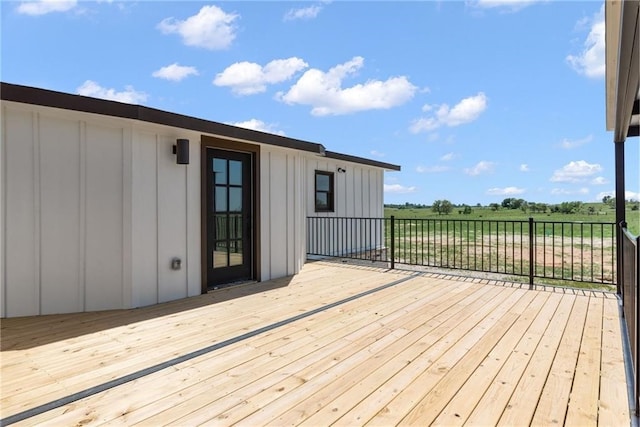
<point x="229" y="145"/>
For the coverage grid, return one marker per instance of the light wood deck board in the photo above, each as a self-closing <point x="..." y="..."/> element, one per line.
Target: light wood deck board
<point x="403" y="354"/>
<point x="583" y="401"/>
<point x="523" y="401"/>
<point x="318" y="345"/>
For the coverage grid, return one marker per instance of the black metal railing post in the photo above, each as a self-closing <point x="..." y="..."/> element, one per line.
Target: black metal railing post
<point x="636" y="285"/>
<point x="393" y="242"/>
<point x="531" y="252"/>
<point x="620" y="258"/>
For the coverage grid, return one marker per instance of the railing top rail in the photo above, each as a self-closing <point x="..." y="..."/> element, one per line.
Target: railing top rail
<point x="523" y="221"/>
<point x="577" y="222"/>
<point x="346" y="217"/>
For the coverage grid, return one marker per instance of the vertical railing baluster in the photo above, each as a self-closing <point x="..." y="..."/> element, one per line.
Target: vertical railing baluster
<point x="454" y="243"/>
<point x="393" y="241"/>
<point x="582" y="251"/>
<point x="531" y="251"/>
<point x="422" y="242"/>
<point x="591" y="251"/>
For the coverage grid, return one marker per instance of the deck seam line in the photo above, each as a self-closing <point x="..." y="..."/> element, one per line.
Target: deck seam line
<point x="21" y="416"/>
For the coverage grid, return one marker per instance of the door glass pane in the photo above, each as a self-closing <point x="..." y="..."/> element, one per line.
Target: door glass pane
<point x="322" y="182"/>
<point x="221" y="199"/>
<point x="235" y="252"/>
<point x="235" y="199"/>
<point x="235" y="172"/>
<point x="220" y="171"/>
<point x="235" y="226"/>
<point x="220" y="255"/>
<point x="221" y="227"/>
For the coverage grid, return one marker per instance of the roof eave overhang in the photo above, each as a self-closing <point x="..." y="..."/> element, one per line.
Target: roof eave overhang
<point x="622" y="67"/>
<point x="54" y="99"/>
<point x="361" y="160"/>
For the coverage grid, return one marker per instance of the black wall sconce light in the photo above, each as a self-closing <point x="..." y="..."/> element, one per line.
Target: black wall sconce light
<point x="342" y="170"/>
<point x="181" y="148"/>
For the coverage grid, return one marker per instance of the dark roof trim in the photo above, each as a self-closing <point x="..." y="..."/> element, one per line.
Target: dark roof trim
<point x="361" y="160"/>
<point x="49" y="98"/>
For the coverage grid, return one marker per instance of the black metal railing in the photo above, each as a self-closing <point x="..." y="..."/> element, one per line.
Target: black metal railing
<point x="630" y="286"/>
<point x="569" y="251"/>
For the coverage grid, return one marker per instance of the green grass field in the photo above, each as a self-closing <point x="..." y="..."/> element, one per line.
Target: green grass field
<point x="603" y="213"/>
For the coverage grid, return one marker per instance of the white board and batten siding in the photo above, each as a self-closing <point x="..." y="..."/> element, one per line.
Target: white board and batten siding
<point x="165" y="217"/>
<point x="282" y="212"/>
<point x="358" y="190"/>
<point x="356" y="223"/>
<point x="82" y="225"/>
<point x="94" y="208"/>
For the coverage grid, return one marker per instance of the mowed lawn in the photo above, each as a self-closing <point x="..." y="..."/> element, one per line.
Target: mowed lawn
<point x="603" y="213"/>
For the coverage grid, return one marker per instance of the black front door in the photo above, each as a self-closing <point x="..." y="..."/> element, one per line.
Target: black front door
<point x="229" y="217"/>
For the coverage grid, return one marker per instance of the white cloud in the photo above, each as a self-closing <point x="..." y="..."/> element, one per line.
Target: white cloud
<point x="248" y="78"/>
<point x="259" y="125"/>
<point x="211" y="28"/>
<point x="628" y="195"/>
<point x="42" y="7"/>
<point x="465" y="111"/>
<point x="303" y="13"/>
<point x="175" y="72"/>
<point x="376" y="153"/>
<point x="575" y="172"/>
<point x="480" y="168"/>
<point x="591" y="61"/>
<point x="568" y="144"/>
<point x="399" y="189"/>
<point x="448" y="157"/>
<point x="432" y="169"/>
<point x="599" y="180"/>
<point x="129" y="95"/>
<point x="565" y="192"/>
<point x="324" y="93"/>
<point x="506" y="191"/>
<point x="524" y="167"/>
<point x="512" y="5"/>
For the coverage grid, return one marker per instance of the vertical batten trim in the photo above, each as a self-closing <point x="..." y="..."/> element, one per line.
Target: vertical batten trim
<point x="286" y="213"/>
<point x="297" y="230"/>
<point x="157" y="219"/>
<point x="295" y="225"/>
<point x="3" y="213"/>
<point x="37" y="216"/>
<point x="122" y="214"/>
<point x="127" y="217"/>
<point x="186" y="230"/>
<point x="270" y="216"/>
<point x="82" y="202"/>
<point x="362" y="176"/>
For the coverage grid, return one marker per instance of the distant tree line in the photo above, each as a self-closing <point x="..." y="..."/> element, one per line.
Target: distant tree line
<point x="445" y="207"/>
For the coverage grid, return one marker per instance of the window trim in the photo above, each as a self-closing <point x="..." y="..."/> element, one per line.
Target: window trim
<point x="330" y="194"/>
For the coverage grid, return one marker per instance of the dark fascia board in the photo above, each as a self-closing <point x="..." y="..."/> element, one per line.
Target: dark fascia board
<point x="49" y="98"/>
<point x="361" y="160"/>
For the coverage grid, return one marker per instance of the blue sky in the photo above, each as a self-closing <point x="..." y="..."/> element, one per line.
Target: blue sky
<point x="477" y="101"/>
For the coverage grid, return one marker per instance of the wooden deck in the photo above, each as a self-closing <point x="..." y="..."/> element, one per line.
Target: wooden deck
<point x="337" y="344"/>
